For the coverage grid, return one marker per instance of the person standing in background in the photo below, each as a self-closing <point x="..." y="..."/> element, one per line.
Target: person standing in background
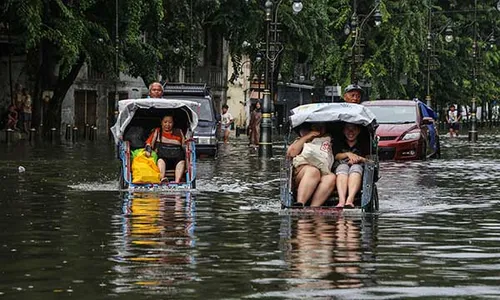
<point x="226" y="121"/>
<point x="26" y="110"/>
<point x="453" y="120"/>
<point x="18" y="104"/>
<point x="254" y="126"/>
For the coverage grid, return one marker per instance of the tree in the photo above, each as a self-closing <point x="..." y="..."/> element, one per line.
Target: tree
<point x="60" y="36"/>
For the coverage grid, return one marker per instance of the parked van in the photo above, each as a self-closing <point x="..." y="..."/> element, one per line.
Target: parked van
<point x="206" y="135"/>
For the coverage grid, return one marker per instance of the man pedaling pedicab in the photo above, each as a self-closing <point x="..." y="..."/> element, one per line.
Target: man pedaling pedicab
<point x="168" y="143"/>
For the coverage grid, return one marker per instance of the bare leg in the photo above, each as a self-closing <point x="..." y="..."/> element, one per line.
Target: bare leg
<point x="325" y="188"/>
<point x="179" y="170"/>
<point x="342" y="189"/>
<point x="354" y="183"/>
<point x="226" y="135"/>
<point x="308" y="178"/>
<point x="161" y="166"/>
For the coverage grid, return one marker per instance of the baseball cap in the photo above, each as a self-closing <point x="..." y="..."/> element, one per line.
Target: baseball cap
<point x="353" y="87"/>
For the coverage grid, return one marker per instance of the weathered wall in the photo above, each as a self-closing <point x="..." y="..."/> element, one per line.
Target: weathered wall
<point x="17" y="64"/>
<point x="128" y="87"/>
<point x="238" y="96"/>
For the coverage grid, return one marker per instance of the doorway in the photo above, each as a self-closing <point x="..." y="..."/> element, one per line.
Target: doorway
<point x="85" y="109"/>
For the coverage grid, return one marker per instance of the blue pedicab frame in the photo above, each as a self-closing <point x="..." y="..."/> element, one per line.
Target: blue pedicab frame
<point x="135" y="120"/>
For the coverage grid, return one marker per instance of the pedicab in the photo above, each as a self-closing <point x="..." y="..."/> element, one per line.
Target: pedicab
<point x="136" y="120"/>
<point x="334" y="115"/>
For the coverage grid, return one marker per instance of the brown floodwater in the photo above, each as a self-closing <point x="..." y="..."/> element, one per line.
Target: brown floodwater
<point x="68" y="232"/>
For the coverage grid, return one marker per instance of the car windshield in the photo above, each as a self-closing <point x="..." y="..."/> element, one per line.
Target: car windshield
<point x="205" y="113"/>
<point x="394" y="114"/>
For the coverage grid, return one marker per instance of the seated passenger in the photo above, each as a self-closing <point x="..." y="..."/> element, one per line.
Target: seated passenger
<point x="312" y="162"/>
<point x="168" y="143"/>
<point x="350" y="154"/>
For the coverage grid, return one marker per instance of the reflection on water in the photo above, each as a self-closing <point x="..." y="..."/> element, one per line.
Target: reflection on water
<point x="156" y="243"/>
<point x="66" y="230"/>
<point x="328" y="252"/>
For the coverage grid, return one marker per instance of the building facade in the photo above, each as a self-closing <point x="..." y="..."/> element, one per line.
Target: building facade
<point x="90" y="101"/>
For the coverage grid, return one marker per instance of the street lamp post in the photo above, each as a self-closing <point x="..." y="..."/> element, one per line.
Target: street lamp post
<point x="356" y="31"/>
<point x="271" y="10"/>
<point x="473" y="131"/>
<point x="117" y="70"/>
<point x="448" y="38"/>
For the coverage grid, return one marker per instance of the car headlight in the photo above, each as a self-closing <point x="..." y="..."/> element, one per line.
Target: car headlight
<point x="411" y="136"/>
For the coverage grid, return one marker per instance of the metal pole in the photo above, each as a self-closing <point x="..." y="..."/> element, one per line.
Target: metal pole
<point x="265" y="141"/>
<point x="473" y="132"/>
<point x="117" y="72"/>
<point x="354" y="47"/>
<point x="428" y="98"/>
<point x="190" y="74"/>
<point x="10" y="64"/>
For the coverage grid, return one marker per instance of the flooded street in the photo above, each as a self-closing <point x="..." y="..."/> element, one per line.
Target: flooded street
<point x="68" y="232"/>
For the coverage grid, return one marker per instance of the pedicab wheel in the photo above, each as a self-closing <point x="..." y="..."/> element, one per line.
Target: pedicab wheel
<point x="423" y="154"/>
<point x="375" y="198"/>
<point x="373" y="204"/>
<point x="122" y="184"/>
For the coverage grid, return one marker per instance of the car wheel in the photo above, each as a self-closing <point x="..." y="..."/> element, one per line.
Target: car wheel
<point x="438" y="148"/>
<point x="423" y="154"/>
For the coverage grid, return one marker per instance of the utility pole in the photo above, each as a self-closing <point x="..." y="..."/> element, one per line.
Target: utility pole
<point x="473" y="132"/>
<point x="117" y="71"/>
<point x="428" y="98"/>
<point x="265" y="141"/>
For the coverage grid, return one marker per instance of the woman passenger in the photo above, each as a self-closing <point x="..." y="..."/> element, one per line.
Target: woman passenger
<point x="312" y="174"/>
<point x="168" y="143"/>
<point x="351" y="154"/>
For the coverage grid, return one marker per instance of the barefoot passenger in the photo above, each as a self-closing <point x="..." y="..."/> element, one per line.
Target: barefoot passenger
<point x="312" y="162"/>
<point x="350" y="155"/>
<point x="168" y="143"/>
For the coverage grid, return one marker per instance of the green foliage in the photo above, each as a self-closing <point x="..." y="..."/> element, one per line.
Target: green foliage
<point x="394" y="56"/>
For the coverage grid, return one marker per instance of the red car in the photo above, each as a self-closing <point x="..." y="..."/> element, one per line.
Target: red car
<point x="406" y="129"/>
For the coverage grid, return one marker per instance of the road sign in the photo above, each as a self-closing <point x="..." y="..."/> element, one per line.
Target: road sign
<point x="332" y="90"/>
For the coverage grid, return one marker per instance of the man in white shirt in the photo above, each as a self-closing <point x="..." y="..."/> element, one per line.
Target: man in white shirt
<point x="226" y="121"/>
<point x="453" y="120"/>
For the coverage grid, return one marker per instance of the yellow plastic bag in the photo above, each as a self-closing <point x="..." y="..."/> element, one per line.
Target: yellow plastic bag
<point x="144" y="169"/>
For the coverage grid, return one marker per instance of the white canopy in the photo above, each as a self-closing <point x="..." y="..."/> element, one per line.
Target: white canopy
<point x="330" y="112"/>
<point x="127" y="109"/>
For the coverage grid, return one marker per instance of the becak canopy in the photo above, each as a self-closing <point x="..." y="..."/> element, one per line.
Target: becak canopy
<point x="128" y="108"/>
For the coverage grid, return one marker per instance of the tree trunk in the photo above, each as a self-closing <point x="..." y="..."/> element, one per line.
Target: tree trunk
<point x="60" y="90"/>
